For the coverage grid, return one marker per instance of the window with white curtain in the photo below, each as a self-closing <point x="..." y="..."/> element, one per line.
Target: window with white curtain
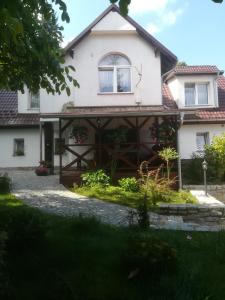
<point x="34" y="100"/>
<point x="202" y="139"/>
<point x="196" y="94"/>
<point x="114" y="74"/>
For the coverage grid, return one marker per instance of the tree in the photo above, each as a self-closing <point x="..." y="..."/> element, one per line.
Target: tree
<point x="30" y="52"/>
<point x="124" y="4"/>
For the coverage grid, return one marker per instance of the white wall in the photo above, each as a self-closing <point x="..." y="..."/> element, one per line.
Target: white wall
<point x="177" y="88"/>
<point x="188" y="136"/>
<point x="112" y="35"/>
<point x="113" y="22"/>
<point x="31" y="144"/>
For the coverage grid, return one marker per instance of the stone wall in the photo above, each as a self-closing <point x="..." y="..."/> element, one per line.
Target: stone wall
<point x="195" y="214"/>
<point x="217" y="191"/>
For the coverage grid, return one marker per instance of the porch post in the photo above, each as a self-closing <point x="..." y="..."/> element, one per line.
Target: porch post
<point x="60" y="152"/>
<point x="179" y="158"/>
<point x="41" y="144"/>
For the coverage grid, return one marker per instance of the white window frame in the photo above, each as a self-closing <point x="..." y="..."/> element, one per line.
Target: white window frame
<point x="196" y="93"/>
<point x="207" y="141"/>
<point x="30" y="99"/>
<point x="114" y="68"/>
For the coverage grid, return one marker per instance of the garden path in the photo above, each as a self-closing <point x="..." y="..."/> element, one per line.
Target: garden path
<point x="45" y="193"/>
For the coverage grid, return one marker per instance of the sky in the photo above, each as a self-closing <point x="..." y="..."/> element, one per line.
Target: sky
<point x="194" y="30"/>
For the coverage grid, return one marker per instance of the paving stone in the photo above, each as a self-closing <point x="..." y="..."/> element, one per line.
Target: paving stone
<point x="47" y="194"/>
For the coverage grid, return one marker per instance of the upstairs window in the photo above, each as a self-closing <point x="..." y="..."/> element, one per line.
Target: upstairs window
<point x="34" y="100"/>
<point x="196" y="94"/>
<point x="114" y="74"/>
<point x="202" y="139"/>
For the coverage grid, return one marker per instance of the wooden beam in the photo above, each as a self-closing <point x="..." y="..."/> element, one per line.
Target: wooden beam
<point x="91" y="123"/>
<point x="129" y="122"/>
<point x="144" y="122"/>
<point x="107" y="123"/>
<point x="66" y="125"/>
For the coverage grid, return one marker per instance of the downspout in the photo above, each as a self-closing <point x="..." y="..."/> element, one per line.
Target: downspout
<point x="178" y="150"/>
<point x="41" y="144"/>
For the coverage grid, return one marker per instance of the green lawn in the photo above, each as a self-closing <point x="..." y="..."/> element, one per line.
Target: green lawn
<point x="116" y="195"/>
<point x="50" y="258"/>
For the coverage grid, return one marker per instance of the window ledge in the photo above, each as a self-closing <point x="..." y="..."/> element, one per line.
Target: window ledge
<point x="199" y="106"/>
<point x="122" y="93"/>
<point x="33" y="109"/>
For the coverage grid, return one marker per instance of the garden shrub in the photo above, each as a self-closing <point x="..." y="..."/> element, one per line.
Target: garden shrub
<point x="5" y="184"/>
<point x="95" y="178"/>
<point x="25" y="227"/>
<point x="142" y="214"/>
<point x="129" y="184"/>
<point x="4" y="280"/>
<point x="147" y="257"/>
<point x="193" y="173"/>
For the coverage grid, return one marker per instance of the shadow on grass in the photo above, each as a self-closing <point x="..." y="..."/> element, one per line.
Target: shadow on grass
<point x="51" y="257"/>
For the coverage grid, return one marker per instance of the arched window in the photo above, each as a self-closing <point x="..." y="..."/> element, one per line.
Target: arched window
<point x="114" y="74"/>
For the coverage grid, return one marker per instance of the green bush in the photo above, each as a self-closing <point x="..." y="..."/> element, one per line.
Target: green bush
<point x="95" y="178"/>
<point x="129" y="184"/>
<point x="24" y="226"/>
<point x="5" y="184"/>
<point x="4" y="281"/>
<point x="148" y="257"/>
<point x="193" y="172"/>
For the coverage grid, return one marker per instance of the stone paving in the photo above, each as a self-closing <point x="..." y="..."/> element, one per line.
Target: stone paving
<point x="47" y="194"/>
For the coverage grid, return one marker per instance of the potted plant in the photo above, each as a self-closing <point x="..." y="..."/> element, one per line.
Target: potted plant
<point x="42" y="169"/>
<point x="19" y="152"/>
<point x="79" y="134"/>
<point x="118" y="135"/>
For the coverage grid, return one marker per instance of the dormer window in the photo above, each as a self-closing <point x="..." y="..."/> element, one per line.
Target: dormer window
<point x="196" y="94"/>
<point x="114" y="74"/>
<point x="34" y="100"/>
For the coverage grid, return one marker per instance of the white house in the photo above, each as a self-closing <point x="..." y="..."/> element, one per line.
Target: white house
<point x="131" y="102"/>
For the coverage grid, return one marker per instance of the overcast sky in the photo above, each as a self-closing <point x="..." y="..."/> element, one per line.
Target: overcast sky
<point x="194" y="30"/>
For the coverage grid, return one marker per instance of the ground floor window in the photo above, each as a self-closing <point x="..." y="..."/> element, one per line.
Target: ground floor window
<point x="202" y="139"/>
<point x="18" y="147"/>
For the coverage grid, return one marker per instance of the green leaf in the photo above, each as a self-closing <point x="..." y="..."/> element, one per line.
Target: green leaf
<point x="68" y="91"/>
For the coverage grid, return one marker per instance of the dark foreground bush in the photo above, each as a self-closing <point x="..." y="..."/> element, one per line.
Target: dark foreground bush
<point x="5" y="184"/>
<point x="24" y="226"/>
<point x="147" y="257"/>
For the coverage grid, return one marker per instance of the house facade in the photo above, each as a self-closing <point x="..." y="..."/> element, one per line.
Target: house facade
<point x="132" y="102"/>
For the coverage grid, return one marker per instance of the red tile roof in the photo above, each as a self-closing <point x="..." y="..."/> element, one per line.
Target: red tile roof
<point x="193" y="70"/>
<point x="8" y="101"/>
<point x="16" y="119"/>
<point x="9" y="115"/>
<point x="168" y="100"/>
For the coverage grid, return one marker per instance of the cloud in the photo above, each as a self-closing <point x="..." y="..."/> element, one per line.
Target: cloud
<point x="145" y="6"/>
<point x="162" y="13"/>
<point x="66" y="41"/>
<point x="153" y="28"/>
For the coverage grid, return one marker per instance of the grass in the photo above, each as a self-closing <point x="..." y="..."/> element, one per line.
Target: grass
<point x="80" y="258"/>
<point x="115" y="194"/>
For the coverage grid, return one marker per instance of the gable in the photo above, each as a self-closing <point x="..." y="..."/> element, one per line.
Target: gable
<point x="113" y="22"/>
<point x="168" y="59"/>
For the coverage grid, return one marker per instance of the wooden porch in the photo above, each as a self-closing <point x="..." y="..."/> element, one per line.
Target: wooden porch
<point x="118" y="157"/>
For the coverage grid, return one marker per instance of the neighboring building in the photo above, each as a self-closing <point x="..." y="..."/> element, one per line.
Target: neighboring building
<point x="131" y="102"/>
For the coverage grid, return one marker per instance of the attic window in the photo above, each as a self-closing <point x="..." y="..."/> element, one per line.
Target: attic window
<point x="34" y="100"/>
<point x="196" y="94"/>
<point x="114" y="74"/>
